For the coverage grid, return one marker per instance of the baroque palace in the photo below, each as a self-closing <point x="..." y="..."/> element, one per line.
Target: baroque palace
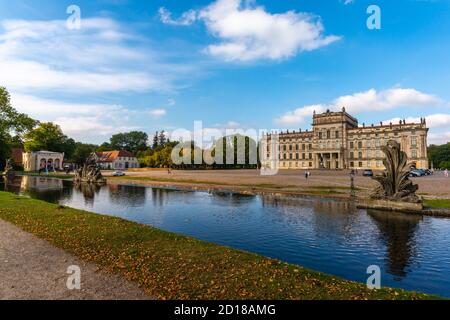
<point x="336" y="141"/>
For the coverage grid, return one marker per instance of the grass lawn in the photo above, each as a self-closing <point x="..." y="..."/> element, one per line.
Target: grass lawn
<point x="438" y="203"/>
<point x="171" y="266"/>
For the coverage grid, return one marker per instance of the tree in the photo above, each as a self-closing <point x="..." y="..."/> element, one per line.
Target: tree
<point x="105" y="147"/>
<point x="82" y="152"/>
<point x="132" y="141"/>
<point x="49" y="136"/>
<point x="439" y="155"/>
<point x="162" y="140"/>
<point x="13" y="126"/>
<point x="155" y="140"/>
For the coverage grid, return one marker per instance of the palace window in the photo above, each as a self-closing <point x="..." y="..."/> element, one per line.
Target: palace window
<point x="310" y="156"/>
<point x="303" y="147"/>
<point x="297" y="156"/>
<point x="414" y="141"/>
<point x="337" y="134"/>
<point x="320" y="135"/>
<point x="360" y="155"/>
<point x="360" y="164"/>
<point x="352" y="155"/>
<point x="328" y="134"/>
<point x="352" y="144"/>
<point x="360" y="144"/>
<point x="303" y="156"/>
<point x="414" y="153"/>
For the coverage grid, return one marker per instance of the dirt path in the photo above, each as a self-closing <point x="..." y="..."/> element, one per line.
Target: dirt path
<point x="31" y="268"/>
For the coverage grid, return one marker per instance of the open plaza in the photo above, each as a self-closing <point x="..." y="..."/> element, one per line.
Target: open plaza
<point x="320" y="182"/>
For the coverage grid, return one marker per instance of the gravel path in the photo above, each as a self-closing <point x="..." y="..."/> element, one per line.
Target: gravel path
<point x="31" y="268"/>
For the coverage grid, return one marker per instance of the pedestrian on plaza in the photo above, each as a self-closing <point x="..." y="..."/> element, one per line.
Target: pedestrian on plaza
<point x="306" y="175"/>
<point x="446" y="173"/>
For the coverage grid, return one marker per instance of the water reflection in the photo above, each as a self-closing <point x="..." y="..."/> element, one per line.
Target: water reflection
<point x="397" y="231"/>
<point x="89" y="191"/>
<point x="131" y="196"/>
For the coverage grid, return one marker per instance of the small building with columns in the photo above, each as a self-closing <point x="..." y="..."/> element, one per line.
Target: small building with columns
<point x="42" y="160"/>
<point x="337" y="141"/>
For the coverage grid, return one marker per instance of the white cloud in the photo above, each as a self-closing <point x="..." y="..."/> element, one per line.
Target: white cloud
<point x="434" y="121"/>
<point x="157" y="113"/>
<point x="370" y="100"/>
<point x="42" y="108"/>
<point x="29" y="75"/>
<point x="248" y="32"/>
<point x="83" y="122"/>
<point x="37" y="55"/>
<point x="299" y="115"/>
<point x="186" y="19"/>
<point x="82" y="128"/>
<point x="439" y="138"/>
<point x="251" y="33"/>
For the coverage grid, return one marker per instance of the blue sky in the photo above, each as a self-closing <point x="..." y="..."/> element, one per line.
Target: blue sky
<point x="152" y="65"/>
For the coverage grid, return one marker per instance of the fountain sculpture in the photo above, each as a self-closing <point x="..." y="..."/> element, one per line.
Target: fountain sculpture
<point x="395" y="190"/>
<point x="89" y="173"/>
<point x="9" y="170"/>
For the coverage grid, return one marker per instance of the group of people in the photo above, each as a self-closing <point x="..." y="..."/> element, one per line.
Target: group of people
<point x="307" y="174"/>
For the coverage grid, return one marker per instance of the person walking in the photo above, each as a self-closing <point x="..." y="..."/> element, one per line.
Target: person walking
<point x="306" y="175"/>
<point x="446" y="173"/>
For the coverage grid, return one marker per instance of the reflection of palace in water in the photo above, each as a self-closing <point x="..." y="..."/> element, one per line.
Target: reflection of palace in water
<point x="397" y="231"/>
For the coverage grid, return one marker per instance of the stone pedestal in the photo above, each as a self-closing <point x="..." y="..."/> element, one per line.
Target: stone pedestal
<point x="386" y="205"/>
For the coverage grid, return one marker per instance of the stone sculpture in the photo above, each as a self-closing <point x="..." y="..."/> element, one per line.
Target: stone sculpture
<point x="89" y="173"/>
<point x="9" y="170"/>
<point x="394" y="183"/>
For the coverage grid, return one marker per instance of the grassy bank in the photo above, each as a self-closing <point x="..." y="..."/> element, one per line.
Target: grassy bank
<point x="50" y="175"/>
<point x="171" y="266"/>
<point x="438" y="203"/>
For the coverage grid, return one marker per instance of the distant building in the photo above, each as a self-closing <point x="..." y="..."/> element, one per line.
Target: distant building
<point x="116" y="160"/>
<point x="17" y="156"/>
<point x="337" y="141"/>
<point x="43" y="160"/>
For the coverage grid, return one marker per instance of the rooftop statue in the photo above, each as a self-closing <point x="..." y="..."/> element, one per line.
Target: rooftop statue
<point x="394" y="183"/>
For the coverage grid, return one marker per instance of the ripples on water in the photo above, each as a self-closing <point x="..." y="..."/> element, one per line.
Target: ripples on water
<point x="325" y="235"/>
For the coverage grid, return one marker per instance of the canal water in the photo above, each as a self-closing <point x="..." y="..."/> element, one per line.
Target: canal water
<point x="412" y="251"/>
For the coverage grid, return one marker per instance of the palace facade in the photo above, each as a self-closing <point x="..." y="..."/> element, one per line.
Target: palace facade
<point x="337" y="141"/>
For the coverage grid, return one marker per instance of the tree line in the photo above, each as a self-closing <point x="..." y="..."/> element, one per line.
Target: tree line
<point x="18" y="130"/>
<point x="440" y="156"/>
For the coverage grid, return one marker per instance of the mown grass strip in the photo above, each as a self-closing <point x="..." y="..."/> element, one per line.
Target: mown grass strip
<point x="438" y="203"/>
